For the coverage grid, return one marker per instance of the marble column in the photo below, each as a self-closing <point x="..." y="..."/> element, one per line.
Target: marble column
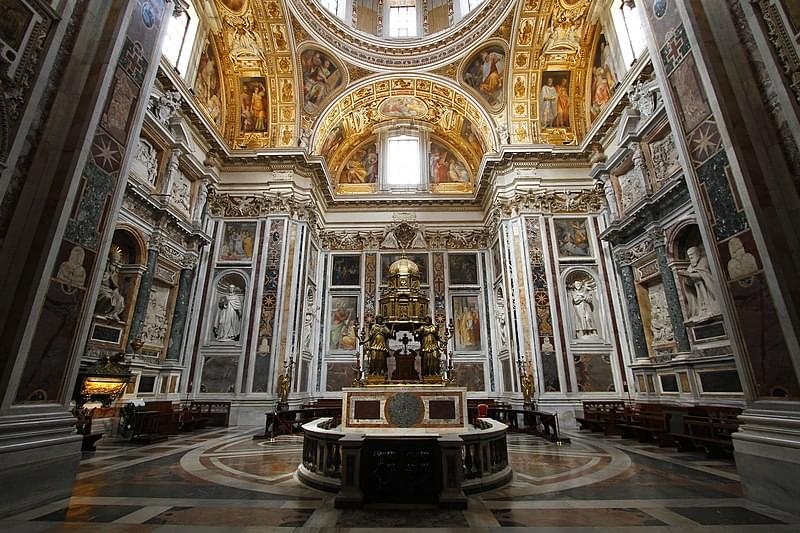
<point x="725" y="102"/>
<point x="143" y="296"/>
<point x="634" y="313"/>
<point x="89" y="80"/>
<point x="181" y="308"/>
<point x="671" y="292"/>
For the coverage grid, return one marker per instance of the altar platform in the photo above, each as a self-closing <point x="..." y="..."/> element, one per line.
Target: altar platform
<point x="404" y="444"/>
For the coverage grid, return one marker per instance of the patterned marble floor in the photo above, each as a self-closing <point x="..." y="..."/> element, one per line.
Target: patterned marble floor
<point x="223" y="480"/>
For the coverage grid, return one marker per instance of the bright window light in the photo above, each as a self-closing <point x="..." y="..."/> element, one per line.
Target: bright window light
<point x="402" y="161"/>
<point x="628" y="26"/>
<point x="331" y="5"/>
<point x="402" y="21"/>
<point x="177" y="47"/>
<point x="469" y="5"/>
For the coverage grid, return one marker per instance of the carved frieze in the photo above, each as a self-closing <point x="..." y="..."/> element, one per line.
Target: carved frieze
<point x="405" y="236"/>
<point x="583" y="201"/>
<point x="253" y="206"/>
<point x="632" y="254"/>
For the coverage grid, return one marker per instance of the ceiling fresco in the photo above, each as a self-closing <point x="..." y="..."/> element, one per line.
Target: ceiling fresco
<point x="254" y="54"/>
<point x="446" y="111"/>
<point x="270" y="77"/>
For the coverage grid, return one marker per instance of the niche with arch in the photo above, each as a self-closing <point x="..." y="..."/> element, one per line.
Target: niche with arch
<point x="226" y="324"/>
<point x="693" y="276"/>
<point x="584" y="306"/>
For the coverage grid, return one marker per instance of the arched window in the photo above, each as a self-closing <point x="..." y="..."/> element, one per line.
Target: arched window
<point x="469" y="5"/>
<point x="403" y="160"/>
<point x="181" y="32"/>
<point x="628" y="26"/>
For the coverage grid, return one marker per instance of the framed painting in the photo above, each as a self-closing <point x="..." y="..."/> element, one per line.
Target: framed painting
<point x="343" y="323"/>
<point x="463" y="269"/>
<point x="238" y="242"/>
<point x="345" y="270"/>
<point x="420" y="259"/>
<point x="467" y="322"/>
<point x="572" y="237"/>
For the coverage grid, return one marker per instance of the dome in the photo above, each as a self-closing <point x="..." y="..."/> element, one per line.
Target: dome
<point x="404" y="267"/>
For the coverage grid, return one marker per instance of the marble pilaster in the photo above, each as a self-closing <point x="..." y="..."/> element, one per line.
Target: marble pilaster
<point x="634" y="314"/>
<point x="671" y="292"/>
<point x="181" y="309"/>
<point x="143" y="295"/>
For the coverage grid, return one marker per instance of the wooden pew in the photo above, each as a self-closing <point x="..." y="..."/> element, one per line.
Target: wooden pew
<point x="709" y="428"/>
<point x="217" y="414"/>
<point x="603" y="416"/>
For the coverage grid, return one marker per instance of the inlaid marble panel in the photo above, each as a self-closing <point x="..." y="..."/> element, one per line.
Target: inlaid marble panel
<point x="219" y="374"/>
<point x="593" y="373"/>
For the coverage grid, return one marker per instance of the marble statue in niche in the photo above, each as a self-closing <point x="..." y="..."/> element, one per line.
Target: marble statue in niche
<point x="147" y="158"/>
<point x="660" y="324"/>
<point x="110" y="301"/>
<point x="698" y="286"/>
<point x="154" y="329"/>
<point x="181" y="192"/>
<point x="582" y="297"/>
<point x="500" y="315"/>
<point x="228" y="322"/>
<point x="71" y="272"/>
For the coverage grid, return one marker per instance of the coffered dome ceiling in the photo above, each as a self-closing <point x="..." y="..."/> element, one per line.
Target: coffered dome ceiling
<point x="290" y="74"/>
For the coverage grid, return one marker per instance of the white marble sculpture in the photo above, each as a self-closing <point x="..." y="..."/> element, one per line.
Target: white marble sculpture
<point x="698" y="286"/>
<point x="228" y="322"/>
<point x="71" y="272"/>
<point x="110" y="301"/>
<point x="660" y="324"/>
<point x="742" y="263"/>
<point x="582" y="295"/>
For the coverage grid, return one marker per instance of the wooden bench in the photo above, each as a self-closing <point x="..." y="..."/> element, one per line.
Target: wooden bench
<point x="217" y="414"/>
<point x="646" y="422"/>
<point x="708" y="428"/>
<point x="603" y="416"/>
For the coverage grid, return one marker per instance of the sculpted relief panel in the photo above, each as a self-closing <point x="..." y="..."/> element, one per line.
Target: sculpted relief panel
<point x="665" y="158"/>
<point x="154" y="330"/>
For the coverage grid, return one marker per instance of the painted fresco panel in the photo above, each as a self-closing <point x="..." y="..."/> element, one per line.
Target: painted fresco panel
<point x="238" y="240"/>
<point x="346" y="270"/>
<point x="253" y="110"/>
<point x="554" y="99"/>
<point x="572" y="237"/>
<point x="446" y="167"/>
<point x="343" y="324"/>
<point x="463" y="269"/>
<point x="362" y="167"/>
<point x="485" y="72"/>
<point x="467" y="321"/>
<point x="321" y="77"/>
<point x="603" y="77"/>
<point x="208" y="84"/>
